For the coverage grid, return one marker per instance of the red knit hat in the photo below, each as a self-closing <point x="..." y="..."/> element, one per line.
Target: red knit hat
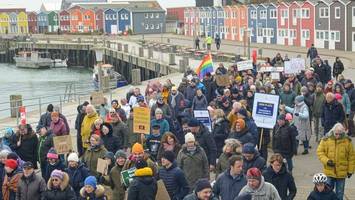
<point x="254" y="173"/>
<point x="11" y="163"/>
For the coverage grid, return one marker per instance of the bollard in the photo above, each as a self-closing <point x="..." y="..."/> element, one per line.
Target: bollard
<point x="119" y="46"/>
<point x="125" y="48"/>
<point x="136" y="77"/>
<point x="182" y="66"/>
<point x="171" y="58"/>
<point x="186" y="60"/>
<point x="15" y="103"/>
<point x="141" y="52"/>
<point x="150" y="53"/>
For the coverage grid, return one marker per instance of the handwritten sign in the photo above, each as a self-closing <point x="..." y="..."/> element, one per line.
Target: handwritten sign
<point x="141" y="120"/>
<point x="294" y="66"/>
<point x="245" y="65"/>
<point x="222" y="80"/>
<point x="62" y="144"/>
<point x="97" y="98"/>
<point x="275" y="75"/>
<point x="102" y="166"/>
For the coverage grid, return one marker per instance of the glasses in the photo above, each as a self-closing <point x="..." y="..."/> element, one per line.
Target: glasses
<point x="55" y="179"/>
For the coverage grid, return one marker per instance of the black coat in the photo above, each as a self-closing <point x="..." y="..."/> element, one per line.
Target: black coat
<point x="338" y="68"/>
<point x="243" y="136"/>
<point x="327" y="194"/>
<point x="50" y="168"/>
<point x="323" y="72"/>
<point x="228" y="187"/>
<point x="77" y="177"/>
<point x="28" y="150"/>
<point x="332" y="113"/>
<point x="111" y="142"/>
<point x="258" y="162"/>
<point x="283" y="140"/>
<point x="45" y="146"/>
<point x="64" y="192"/>
<point x="220" y="132"/>
<point x="143" y="187"/>
<point x="206" y="141"/>
<point x="283" y="182"/>
<point x="312" y="53"/>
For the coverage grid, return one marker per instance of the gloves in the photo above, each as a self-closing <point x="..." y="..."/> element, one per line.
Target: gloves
<point x="297" y="114"/>
<point x="349" y="175"/>
<point x="330" y="163"/>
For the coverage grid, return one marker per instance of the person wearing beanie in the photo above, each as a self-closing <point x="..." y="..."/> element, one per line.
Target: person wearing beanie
<point x="241" y="133"/>
<point x="173" y="177"/>
<point x="249" y="122"/>
<point x="301" y="120"/>
<point x="317" y="110"/>
<point x="44" y="145"/>
<point x="153" y="141"/>
<point x="77" y="173"/>
<point x="3" y="158"/>
<point x="202" y="191"/>
<point x="138" y="154"/>
<point x="258" y="188"/>
<point x="160" y="120"/>
<point x="252" y="158"/>
<point x="205" y="139"/>
<point x="287" y="96"/>
<point x="91" y="190"/>
<point x="58" y="126"/>
<point x="144" y="185"/>
<point x="53" y="163"/>
<point x="58" y="187"/>
<point x="230" y="182"/>
<point x="92" y="154"/>
<point x="193" y="161"/>
<point x="110" y="141"/>
<point x="11" y="179"/>
<point x="109" y="157"/>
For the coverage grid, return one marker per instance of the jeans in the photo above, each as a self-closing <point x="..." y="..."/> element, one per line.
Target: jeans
<point x="305" y="145"/>
<point x="289" y="164"/>
<point x="338" y="184"/>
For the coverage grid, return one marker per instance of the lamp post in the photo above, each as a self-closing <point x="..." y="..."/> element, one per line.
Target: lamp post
<point x="99" y="52"/>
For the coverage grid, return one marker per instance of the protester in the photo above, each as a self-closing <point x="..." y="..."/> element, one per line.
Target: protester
<point x="202" y="191"/>
<point x="86" y="125"/>
<point x="110" y="141"/>
<point x="53" y="163"/>
<point x="312" y="53"/>
<point x="160" y="121"/>
<point x="338" y="68"/>
<point x="58" y="126"/>
<point x="332" y="113"/>
<point x="78" y="121"/>
<point x="92" y="191"/>
<point x="336" y="153"/>
<point x="114" y="178"/>
<point x="231" y="147"/>
<point x="321" y="190"/>
<point x="241" y="133"/>
<point x="168" y="142"/>
<point x="138" y="154"/>
<point x="220" y="130"/>
<point x="45" y="119"/>
<point x="45" y="144"/>
<point x="199" y="102"/>
<point x="93" y="153"/>
<point x="252" y="158"/>
<point x="12" y="177"/>
<point x="119" y="130"/>
<point x="30" y="186"/>
<point x="317" y="108"/>
<point x="77" y="173"/>
<point x="58" y="187"/>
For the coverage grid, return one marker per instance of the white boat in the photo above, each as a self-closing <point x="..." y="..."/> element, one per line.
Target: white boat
<point x="32" y="60"/>
<point x="59" y="63"/>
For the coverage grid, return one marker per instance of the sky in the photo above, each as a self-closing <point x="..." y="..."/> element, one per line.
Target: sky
<point x="34" y="5"/>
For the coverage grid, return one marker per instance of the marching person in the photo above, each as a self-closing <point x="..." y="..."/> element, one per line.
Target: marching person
<point x="93" y="153"/>
<point x="321" y="190"/>
<point x="77" y="173"/>
<point x="13" y="174"/>
<point x="202" y="191"/>
<point x="58" y="187"/>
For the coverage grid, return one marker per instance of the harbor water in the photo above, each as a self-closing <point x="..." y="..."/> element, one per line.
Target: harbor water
<point x="48" y="84"/>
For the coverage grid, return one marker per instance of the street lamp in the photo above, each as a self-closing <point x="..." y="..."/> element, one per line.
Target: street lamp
<point x="99" y="54"/>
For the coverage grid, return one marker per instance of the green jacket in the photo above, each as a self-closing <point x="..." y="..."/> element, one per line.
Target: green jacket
<point x="317" y="107"/>
<point x="91" y="156"/>
<point x="118" y="190"/>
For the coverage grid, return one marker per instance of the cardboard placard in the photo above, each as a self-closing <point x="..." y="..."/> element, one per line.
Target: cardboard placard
<point x="245" y="65"/>
<point x="98" y="98"/>
<point x="265" y="109"/>
<point x="62" y="144"/>
<point x="141" y="120"/>
<point x="162" y="193"/>
<point x="102" y="166"/>
<point x="222" y="80"/>
<point x="127" y="176"/>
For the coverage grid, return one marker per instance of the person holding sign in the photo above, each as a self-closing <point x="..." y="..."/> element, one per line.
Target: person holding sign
<point x="93" y="153"/>
<point x="114" y="178"/>
<point x="138" y="154"/>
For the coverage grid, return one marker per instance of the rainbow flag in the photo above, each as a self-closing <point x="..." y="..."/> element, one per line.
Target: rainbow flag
<point x="205" y="66"/>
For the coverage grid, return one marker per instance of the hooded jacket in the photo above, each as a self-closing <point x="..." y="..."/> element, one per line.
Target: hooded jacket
<point x="64" y="192"/>
<point x="288" y="98"/>
<point x="111" y="142"/>
<point x="98" y="194"/>
<point x="317" y="108"/>
<point x="220" y="133"/>
<point x="114" y="181"/>
<point x="91" y="156"/>
<point x="28" y="150"/>
<point x="332" y="113"/>
<point x="59" y="128"/>
<point x="144" y="186"/>
<point x="283" y="140"/>
<point x="31" y="188"/>
<point x="77" y="177"/>
<point x="257" y="161"/>
<point x="340" y="151"/>
<point x="228" y="187"/>
<point x="86" y="128"/>
<point x="302" y="120"/>
<point x="283" y="182"/>
<point x="266" y="191"/>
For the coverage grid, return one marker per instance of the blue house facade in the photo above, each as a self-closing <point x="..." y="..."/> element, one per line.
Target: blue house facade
<point x="252" y="22"/>
<point x="261" y="23"/>
<point x="147" y="20"/>
<point x="124" y="20"/>
<point x="271" y="24"/>
<point x="111" y="22"/>
<point x="220" y="22"/>
<point x="214" y="24"/>
<point x="13" y="23"/>
<point x="42" y="22"/>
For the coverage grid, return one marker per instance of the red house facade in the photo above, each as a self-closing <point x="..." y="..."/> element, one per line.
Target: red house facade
<point x="294" y="24"/>
<point x="307" y="24"/>
<point x="32" y="22"/>
<point x="282" y="23"/>
<point x="99" y="16"/>
<point x="64" y="21"/>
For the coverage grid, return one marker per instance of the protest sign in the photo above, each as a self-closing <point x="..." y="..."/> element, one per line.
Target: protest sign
<point x="97" y="98"/>
<point x="245" y="65"/>
<point x="127" y="176"/>
<point x="294" y="66"/>
<point x="102" y="166"/>
<point x="222" y="80"/>
<point x="162" y="193"/>
<point x="266" y="68"/>
<point x="265" y="109"/>
<point x="141" y="120"/>
<point x="275" y="75"/>
<point x="203" y="116"/>
<point x="62" y="144"/>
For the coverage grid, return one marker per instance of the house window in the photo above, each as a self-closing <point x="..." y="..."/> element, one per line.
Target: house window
<point x="157" y="26"/>
<point x="114" y="16"/>
<point x="263" y="14"/>
<point x="305" y="12"/>
<point x="146" y="26"/>
<point x="284" y="13"/>
<point x="122" y="16"/>
<point x="146" y="15"/>
<point x="152" y="26"/>
<point x="273" y="14"/>
<point x="157" y="15"/>
<point x="337" y="13"/>
<point x="323" y="12"/>
<point x="253" y="14"/>
<point x="337" y="36"/>
<point x="326" y="35"/>
<point x="151" y="15"/>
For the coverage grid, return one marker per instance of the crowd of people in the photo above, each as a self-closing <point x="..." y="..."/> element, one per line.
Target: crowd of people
<point x="227" y="161"/>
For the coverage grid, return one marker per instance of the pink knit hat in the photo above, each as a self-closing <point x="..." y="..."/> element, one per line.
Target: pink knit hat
<point x="52" y="154"/>
<point x="338" y="96"/>
<point x="288" y="117"/>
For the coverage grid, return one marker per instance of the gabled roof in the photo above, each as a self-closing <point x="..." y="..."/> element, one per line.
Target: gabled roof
<point x="344" y="2"/>
<point x="327" y="2"/>
<point x="312" y="2"/>
<point x="145" y="10"/>
<point x="283" y="3"/>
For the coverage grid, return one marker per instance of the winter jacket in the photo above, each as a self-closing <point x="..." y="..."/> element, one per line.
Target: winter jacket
<point x="226" y="187"/>
<point x="190" y="93"/>
<point x="111" y="142"/>
<point x="45" y="143"/>
<point x="179" y="100"/>
<point x="161" y="150"/>
<point x="257" y="161"/>
<point x="77" y="177"/>
<point x="130" y="162"/>
<point x="220" y="132"/>
<point x="98" y="194"/>
<point x="86" y="125"/>
<point x="305" y="81"/>
<point x="338" y="68"/>
<point x="332" y="113"/>
<point x="283" y="140"/>
<point x="50" y="168"/>
<point x="194" y="164"/>
<point x="31" y="188"/>
<point x="206" y="141"/>
<point x="266" y="191"/>
<point x="322" y="72"/>
<point x="174" y="181"/>
<point x="199" y="103"/>
<point x="243" y="136"/>
<point x="301" y="121"/>
<point x="143" y="186"/>
<point x="163" y="123"/>
<point x="346" y="102"/>
<point x="64" y="192"/>
<point x="295" y="86"/>
<point x="164" y="107"/>
<point x="283" y="182"/>
<point x="193" y="196"/>
<point x="318" y="103"/>
<point x="59" y="128"/>
<point x="10" y="184"/>
<point x="118" y="190"/>
<point x="288" y="98"/>
<point x="223" y="163"/>
<point x="120" y="130"/>
<point x="327" y="194"/>
<point x="340" y="151"/>
<point x="28" y="150"/>
<point x="312" y="53"/>
<point x="252" y="128"/>
<point x="91" y="156"/>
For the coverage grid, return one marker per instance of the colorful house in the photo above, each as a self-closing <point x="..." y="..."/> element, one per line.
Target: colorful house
<point x="99" y="16"/>
<point x="229" y="18"/>
<point x="4" y="23"/>
<point x="337" y="25"/>
<point x="242" y="22"/>
<point x="307" y="23"/>
<point x="282" y="23"/>
<point x="42" y="22"/>
<point x="220" y="22"/>
<point x="322" y="19"/>
<point x="111" y="22"/>
<point x="13" y="23"/>
<point x="189" y="16"/>
<point x="147" y="20"/>
<point x="124" y="20"/>
<point x="252" y="22"/>
<point x="350" y="37"/>
<point x="32" y="22"/>
<point x="22" y="23"/>
<point x="64" y="21"/>
<point x="76" y="19"/>
<point x="261" y="23"/>
<point x="88" y="20"/>
<point x="294" y="24"/>
<point x="53" y="21"/>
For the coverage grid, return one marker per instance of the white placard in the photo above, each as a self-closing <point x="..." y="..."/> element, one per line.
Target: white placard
<point x="295" y="65"/>
<point x="203" y="116"/>
<point x="275" y="75"/>
<point x="245" y="65"/>
<point x="265" y="109"/>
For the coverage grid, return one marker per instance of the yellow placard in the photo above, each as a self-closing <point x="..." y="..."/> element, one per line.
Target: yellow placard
<point x="141" y="120"/>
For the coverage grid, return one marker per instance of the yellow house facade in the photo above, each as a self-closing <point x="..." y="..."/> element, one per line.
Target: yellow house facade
<point x="4" y="23"/>
<point x="22" y="23"/>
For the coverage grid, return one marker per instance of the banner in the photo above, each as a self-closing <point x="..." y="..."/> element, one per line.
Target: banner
<point x="102" y="166"/>
<point x="245" y="65"/>
<point x="203" y="116"/>
<point x="141" y="120"/>
<point x="222" y="80"/>
<point x="62" y="144"/>
<point x="266" y="68"/>
<point x="265" y="109"/>
<point x="22" y="111"/>
<point x="127" y="176"/>
<point x="97" y="98"/>
<point x="295" y="65"/>
<point x="275" y="75"/>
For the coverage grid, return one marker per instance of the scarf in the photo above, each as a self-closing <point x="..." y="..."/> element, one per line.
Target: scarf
<point x="168" y="147"/>
<point x="173" y="101"/>
<point x="10" y="185"/>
